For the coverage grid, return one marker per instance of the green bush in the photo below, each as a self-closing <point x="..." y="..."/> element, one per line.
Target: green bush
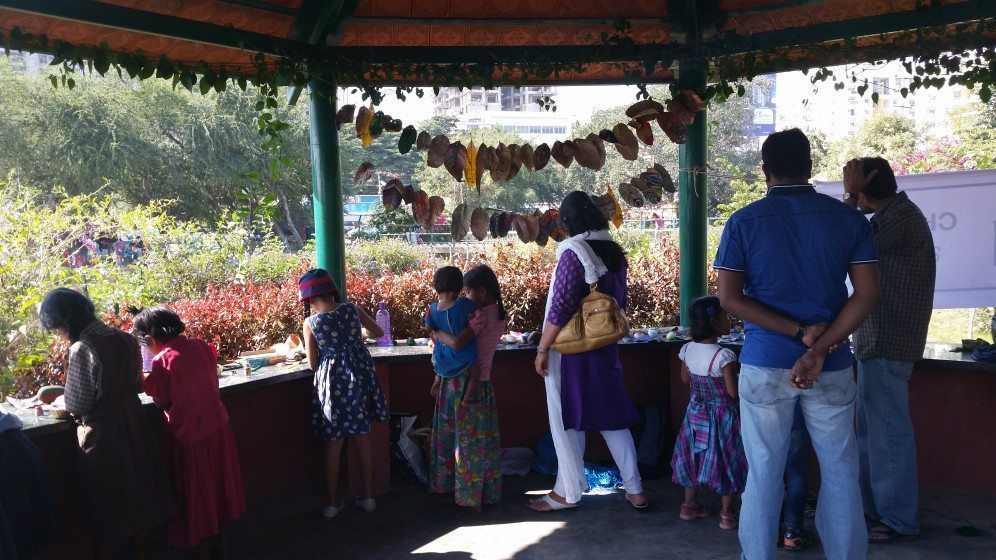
<point x="386" y="255"/>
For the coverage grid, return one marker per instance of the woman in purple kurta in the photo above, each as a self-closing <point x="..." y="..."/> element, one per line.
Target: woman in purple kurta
<point x="592" y="394"/>
<point x="585" y="391"/>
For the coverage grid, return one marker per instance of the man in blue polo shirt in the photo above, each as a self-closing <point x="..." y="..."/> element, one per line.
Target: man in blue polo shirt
<point x="782" y="263"/>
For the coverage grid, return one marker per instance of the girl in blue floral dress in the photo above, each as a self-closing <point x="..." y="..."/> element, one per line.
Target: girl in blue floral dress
<point x="347" y="396"/>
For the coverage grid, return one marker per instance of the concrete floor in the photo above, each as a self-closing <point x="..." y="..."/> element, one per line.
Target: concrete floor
<point x="409" y="523"/>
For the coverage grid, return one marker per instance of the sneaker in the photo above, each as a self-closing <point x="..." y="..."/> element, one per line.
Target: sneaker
<point x="793" y="540"/>
<point x="367" y="504"/>
<point x="329" y="512"/>
<point x="727" y="521"/>
<point x="693" y="511"/>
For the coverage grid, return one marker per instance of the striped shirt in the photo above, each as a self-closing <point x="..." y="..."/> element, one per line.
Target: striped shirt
<point x="897" y="326"/>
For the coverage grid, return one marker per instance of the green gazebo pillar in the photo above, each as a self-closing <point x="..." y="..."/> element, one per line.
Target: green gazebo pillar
<point x="326" y="182"/>
<point x="692" y="199"/>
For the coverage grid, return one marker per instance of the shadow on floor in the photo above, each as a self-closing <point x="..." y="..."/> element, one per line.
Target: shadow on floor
<point x="410" y="523"/>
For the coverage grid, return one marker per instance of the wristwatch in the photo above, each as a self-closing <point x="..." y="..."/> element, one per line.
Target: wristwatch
<point x="800" y="332"/>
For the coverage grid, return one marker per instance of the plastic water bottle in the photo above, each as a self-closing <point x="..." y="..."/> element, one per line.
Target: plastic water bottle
<point x="383" y="320"/>
<point x="146" y="358"/>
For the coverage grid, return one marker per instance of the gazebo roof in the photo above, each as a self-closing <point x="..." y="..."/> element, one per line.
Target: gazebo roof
<point x="227" y="33"/>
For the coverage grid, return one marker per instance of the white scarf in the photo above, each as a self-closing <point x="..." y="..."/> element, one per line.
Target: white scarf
<point x="569" y="456"/>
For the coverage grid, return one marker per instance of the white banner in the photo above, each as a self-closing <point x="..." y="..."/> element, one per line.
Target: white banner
<point x="960" y="207"/>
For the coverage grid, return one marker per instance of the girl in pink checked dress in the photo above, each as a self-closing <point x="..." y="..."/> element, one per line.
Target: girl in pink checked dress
<point x="465" y="457"/>
<point x="708" y="452"/>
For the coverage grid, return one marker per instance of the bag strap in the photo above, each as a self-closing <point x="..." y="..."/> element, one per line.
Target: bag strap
<point x="713" y="360"/>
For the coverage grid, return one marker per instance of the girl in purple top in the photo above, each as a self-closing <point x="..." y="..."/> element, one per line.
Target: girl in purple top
<point x="585" y="391"/>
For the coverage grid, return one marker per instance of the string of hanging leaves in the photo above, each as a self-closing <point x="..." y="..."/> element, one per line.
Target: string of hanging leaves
<point x="502" y="163"/>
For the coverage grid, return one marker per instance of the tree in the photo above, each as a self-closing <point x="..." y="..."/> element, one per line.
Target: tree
<point x="887" y="135"/>
<point x="975" y="125"/>
<point x="145" y="141"/>
<point x="744" y="191"/>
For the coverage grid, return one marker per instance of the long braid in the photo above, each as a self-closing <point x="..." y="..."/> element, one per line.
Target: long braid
<point x="501" y="306"/>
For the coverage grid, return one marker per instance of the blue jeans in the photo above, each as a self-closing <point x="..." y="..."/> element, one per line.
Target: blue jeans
<point x="886" y="447"/>
<point x="767" y="405"/>
<point x="796" y="483"/>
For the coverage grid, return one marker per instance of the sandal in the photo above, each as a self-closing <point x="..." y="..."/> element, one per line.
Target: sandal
<point x="882" y="534"/>
<point x="690" y="512"/>
<point x="552" y="505"/>
<point x="727" y="521"/>
<point x="639" y="507"/>
<point x="793" y="540"/>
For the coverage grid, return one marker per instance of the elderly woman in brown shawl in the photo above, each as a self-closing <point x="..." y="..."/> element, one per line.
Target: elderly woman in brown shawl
<point x="123" y="476"/>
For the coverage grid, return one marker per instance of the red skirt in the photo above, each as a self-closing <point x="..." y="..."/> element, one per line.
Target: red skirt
<point x="208" y="487"/>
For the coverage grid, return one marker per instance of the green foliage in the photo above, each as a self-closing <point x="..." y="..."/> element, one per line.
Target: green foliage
<point x="745" y="189"/>
<point x="180" y="260"/>
<point x="386" y="256"/>
<point x="148" y="142"/>
<point x="887" y="135"/>
<point x="975" y="125"/>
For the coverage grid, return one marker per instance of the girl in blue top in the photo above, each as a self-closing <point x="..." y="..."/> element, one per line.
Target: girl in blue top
<point x="451" y="314"/>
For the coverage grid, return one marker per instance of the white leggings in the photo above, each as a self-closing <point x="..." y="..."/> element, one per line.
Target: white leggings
<point x="623" y="450"/>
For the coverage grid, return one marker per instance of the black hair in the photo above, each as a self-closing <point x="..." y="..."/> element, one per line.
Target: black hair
<point x="578" y="214"/>
<point x="701" y="313"/>
<point x="67" y="309"/>
<point x="482" y="276"/>
<point x="159" y="323"/>
<point x="883" y="184"/>
<point x="786" y="154"/>
<point x="447" y="279"/>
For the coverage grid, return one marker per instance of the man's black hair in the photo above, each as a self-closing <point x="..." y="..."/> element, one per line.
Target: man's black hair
<point x="786" y="154"/>
<point x="883" y="184"/>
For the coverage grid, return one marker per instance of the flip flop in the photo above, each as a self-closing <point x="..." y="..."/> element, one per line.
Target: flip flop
<point x="554" y="505"/>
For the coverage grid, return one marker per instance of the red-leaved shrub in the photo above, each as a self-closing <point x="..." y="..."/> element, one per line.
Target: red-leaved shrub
<point x="239" y="317"/>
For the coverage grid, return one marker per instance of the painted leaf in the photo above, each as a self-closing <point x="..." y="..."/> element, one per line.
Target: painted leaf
<point x="470" y="170"/>
<point x="407" y="139"/>
<point x="455" y="160"/>
<point x="363" y="172"/>
<point x="420" y="207"/>
<point x="344" y="115"/>
<point x="479" y="223"/>
<point x="460" y="224"/>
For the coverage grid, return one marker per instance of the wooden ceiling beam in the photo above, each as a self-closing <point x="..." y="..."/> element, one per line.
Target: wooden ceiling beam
<point x="317" y="21"/>
<point x="772" y="7"/>
<point x="263" y="6"/>
<point x="522" y="21"/>
<point x="150" y="23"/>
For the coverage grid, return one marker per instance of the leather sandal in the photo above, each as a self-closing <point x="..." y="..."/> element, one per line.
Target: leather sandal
<point x="639" y="507"/>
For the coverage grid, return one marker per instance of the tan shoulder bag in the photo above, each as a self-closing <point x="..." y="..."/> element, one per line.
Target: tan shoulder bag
<point x="598" y="322"/>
